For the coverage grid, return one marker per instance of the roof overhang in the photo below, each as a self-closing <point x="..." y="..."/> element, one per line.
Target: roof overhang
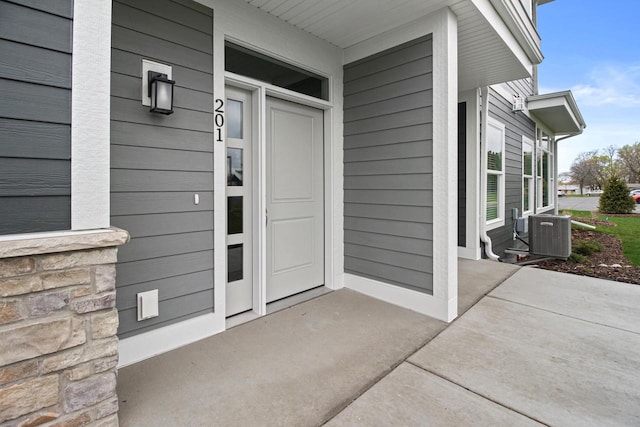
<point x="558" y="112"/>
<point x="497" y="41"/>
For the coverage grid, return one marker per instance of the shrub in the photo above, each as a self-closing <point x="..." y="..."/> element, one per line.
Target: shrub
<point x="576" y="258"/>
<point x="615" y="199"/>
<point x="586" y="247"/>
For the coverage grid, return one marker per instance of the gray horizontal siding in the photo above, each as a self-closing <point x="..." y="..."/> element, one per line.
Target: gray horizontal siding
<point x="35" y="27"/>
<point x="159" y="162"/>
<point x="31" y="214"/>
<point x="516" y="125"/>
<point x="28" y="101"/>
<point x="415" y="214"/>
<point x="167" y="223"/>
<point x="62" y="8"/>
<point x="134" y="42"/>
<point x="34" y="140"/>
<point x="388" y="187"/>
<point x="128" y="64"/>
<point x="35" y="115"/>
<point x="523" y="87"/>
<point x="34" y="64"/>
<point x="34" y="177"/>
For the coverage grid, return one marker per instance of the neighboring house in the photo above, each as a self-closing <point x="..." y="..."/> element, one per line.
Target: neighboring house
<point x="314" y="145"/>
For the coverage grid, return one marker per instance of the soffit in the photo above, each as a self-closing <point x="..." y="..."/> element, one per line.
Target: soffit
<point x="485" y="55"/>
<point x="558" y="111"/>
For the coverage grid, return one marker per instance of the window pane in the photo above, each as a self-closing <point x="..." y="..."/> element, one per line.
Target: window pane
<point x="539" y="162"/>
<point x="492" y="197"/>
<point x="234" y="215"/>
<point x="234" y="119"/>
<point x="234" y="166"/>
<point x="544" y="141"/>
<point x="527" y="159"/>
<point x="234" y="254"/>
<point x="545" y="179"/>
<point x="526" y="185"/>
<point x="494" y="148"/>
<point x="246" y="62"/>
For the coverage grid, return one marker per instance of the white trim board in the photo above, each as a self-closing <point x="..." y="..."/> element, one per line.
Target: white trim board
<point x="406" y="298"/>
<point x="91" y="115"/>
<point x="445" y="165"/>
<point x="143" y="346"/>
<point x="472" y="249"/>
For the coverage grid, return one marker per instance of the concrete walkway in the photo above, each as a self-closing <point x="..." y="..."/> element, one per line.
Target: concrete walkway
<point x="543" y="347"/>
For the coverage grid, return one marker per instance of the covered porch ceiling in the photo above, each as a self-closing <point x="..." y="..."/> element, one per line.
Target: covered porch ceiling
<point x="558" y="111"/>
<point x="488" y="50"/>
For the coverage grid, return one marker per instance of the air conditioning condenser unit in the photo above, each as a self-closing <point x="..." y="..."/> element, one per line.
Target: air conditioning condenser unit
<point x="550" y="235"/>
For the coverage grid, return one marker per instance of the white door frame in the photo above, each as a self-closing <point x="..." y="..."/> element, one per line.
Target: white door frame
<point x="260" y="91"/>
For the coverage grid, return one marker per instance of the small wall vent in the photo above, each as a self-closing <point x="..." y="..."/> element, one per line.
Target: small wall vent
<point x="550" y="235"/>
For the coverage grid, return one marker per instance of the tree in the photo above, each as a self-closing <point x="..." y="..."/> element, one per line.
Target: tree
<point x="629" y="162"/>
<point x="581" y="171"/>
<point x="604" y="166"/>
<point x="615" y="199"/>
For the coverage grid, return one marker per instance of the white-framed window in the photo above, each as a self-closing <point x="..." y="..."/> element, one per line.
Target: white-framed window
<point x="495" y="151"/>
<point x="544" y="171"/>
<point x="527" y="176"/>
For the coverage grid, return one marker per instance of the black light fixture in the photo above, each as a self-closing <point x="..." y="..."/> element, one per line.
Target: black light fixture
<point x="161" y="93"/>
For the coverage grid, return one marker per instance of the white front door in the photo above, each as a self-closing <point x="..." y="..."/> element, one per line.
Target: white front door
<point x="294" y="199"/>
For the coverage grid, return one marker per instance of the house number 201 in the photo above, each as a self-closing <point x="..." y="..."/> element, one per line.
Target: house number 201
<point x="218" y="118"/>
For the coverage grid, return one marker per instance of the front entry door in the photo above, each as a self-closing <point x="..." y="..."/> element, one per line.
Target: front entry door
<point x="294" y="199"/>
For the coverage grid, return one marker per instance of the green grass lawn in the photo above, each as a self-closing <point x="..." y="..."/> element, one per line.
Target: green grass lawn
<point x="577" y="214"/>
<point x="627" y="230"/>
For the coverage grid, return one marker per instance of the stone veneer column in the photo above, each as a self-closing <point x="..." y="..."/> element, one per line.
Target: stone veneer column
<point x="58" y="323"/>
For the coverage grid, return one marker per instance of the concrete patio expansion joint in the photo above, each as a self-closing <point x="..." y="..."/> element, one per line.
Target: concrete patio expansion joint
<point x="476" y="393"/>
<point x="348" y="402"/>
<point x="379" y="378"/>
<point x="563" y="315"/>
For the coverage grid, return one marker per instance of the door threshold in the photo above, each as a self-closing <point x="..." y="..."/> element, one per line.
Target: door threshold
<point x="296" y="299"/>
<point x="240" y="318"/>
<point x="281" y="304"/>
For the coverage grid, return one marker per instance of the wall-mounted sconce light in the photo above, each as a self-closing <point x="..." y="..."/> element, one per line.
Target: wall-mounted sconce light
<point x="161" y="93"/>
<point x="157" y="86"/>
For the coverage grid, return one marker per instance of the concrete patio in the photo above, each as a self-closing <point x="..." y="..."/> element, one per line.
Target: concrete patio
<point x="542" y="347"/>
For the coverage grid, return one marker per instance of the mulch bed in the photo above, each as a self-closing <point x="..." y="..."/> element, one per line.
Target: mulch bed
<point x="600" y="263"/>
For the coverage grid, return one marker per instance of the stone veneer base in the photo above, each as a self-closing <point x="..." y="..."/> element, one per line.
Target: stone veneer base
<point x="58" y="325"/>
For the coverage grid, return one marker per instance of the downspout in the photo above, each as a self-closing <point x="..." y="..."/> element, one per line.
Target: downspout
<point x="555" y="156"/>
<point x="484" y="237"/>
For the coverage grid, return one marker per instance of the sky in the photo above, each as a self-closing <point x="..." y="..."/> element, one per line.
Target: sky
<point x="593" y="48"/>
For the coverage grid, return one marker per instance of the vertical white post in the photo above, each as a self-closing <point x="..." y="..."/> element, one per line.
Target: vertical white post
<point x="445" y="163"/>
<point x="90" y="114"/>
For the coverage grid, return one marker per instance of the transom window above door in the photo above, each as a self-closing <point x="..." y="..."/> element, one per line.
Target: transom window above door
<point x="249" y="63"/>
